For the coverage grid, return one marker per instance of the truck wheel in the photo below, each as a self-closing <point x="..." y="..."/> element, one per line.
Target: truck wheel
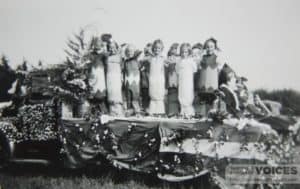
<point x="4" y="151"/>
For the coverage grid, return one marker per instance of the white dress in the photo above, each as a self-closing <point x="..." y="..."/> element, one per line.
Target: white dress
<point x="157" y="85"/>
<point x="97" y="79"/>
<point x="185" y="70"/>
<point x="114" y="84"/>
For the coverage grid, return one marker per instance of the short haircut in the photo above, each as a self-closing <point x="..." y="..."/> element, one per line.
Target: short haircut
<point x="158" y="41"/>
<point x="198" y="46"/>
<point x="112" y="42"/>
<point x="211" y="40"/>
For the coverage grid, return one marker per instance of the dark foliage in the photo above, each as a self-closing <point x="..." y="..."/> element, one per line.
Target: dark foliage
<point x="289" y="98"/>
<point x="7" y="77"/>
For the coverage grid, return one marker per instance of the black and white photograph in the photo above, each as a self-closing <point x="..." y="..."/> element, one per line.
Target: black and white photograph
<point x="138" y="94"/>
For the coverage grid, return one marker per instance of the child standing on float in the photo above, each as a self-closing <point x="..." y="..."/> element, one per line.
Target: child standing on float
<point x="185" y="70"/>
<point x="96" y="77"/>
<point x="132" y="79"/>
<point x="114" y="80"/>
<point x="210" y="66"/>
<point x="145" y="76"/>
<point x="157" y="86"/>
<point x="172" y="80"/>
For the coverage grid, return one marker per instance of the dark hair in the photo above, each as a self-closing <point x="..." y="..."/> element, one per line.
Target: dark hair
<point x="158" y="41"/>
<point x="106" y="37"/>
<point x="198" y="46"/>
<point x="112" y="42"/>
<point x="149" y="45"/>
<point x="148" y="48"/>
<point x="211" y="40"/>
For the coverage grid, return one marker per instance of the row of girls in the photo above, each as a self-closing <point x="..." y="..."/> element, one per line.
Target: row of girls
<point x="153" y="84"/>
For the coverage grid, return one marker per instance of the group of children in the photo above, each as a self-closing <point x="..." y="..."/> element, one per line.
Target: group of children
<point x="120" y="80"/>
<point x="130" y="82"/>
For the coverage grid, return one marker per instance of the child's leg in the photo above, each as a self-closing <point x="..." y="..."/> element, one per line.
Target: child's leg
<point x="116" y="109"/>
<point x="172" y="102"/>
<point x="128" y="98"/>
<point x="67" y="110"/>
<point x="187" y="110"/>
<point x="204" y="104"/>
<point x="135" y="91"/>
<point x="145" y="98"/>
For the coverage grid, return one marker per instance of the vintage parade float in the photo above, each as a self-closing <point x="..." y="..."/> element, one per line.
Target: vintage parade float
<point x="50" y="123"/>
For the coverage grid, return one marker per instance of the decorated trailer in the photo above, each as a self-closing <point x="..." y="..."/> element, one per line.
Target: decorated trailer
<point x="174" y="149"/>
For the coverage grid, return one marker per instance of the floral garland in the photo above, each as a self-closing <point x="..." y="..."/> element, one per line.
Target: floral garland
<point x="10" y="131"/>
<point x="38" y="122"/>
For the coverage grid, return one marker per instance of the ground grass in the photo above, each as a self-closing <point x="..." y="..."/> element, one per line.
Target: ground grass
<point x="39" y="177"/>
<point x="94" y="177"/>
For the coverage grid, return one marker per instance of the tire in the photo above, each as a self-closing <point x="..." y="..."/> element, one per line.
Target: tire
<point x="4" y="151"/>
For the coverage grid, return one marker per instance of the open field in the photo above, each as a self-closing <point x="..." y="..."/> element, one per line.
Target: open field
<point x="40" y="177"/>
<point x="104" y="177"/>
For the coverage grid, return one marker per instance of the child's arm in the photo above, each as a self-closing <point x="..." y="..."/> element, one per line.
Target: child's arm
<point x="143" y="65"/>
<point x="195" y="65"/>
<point x="220" y="61"/>
<point x="166" y="62"/>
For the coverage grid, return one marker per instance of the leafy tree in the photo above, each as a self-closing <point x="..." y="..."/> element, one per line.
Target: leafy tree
<point x="7" y="77"/>
<point x="289" y="98"/>
<point x="79" y="48"/>
<point x="4" y="63"/>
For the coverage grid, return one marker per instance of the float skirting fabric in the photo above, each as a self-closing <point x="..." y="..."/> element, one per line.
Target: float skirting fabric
<point x="173" y="149"/>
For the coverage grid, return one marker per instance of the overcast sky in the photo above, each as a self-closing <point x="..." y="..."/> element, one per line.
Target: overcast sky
<point x="259" y="38"/>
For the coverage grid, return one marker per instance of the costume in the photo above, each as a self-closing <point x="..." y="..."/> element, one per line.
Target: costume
<point x="185" y="70"/>
<point x="97" y="83"/>
<point x="97" y="79"/>
<point x="231" y="100"/>
<point x="157" y="85"/>
<point x="209" y="77"/>
<point x="145" y="69"/>
<point x="132" y="83"/>
<point x="114" y="84"/>
<point x="208" y="74"/>
<point x="172" y="85"/>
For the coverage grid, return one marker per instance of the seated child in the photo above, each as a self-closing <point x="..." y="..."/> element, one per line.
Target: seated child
<point x="230" y="97"/>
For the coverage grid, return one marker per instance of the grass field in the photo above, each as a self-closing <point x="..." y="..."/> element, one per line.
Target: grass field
<point x="104" y="177"/>
<point x="40" y="177"/>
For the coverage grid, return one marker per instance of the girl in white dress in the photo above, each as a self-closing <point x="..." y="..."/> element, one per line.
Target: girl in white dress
<point x="96" y="77"/>
<point x="185" y="70"/>
<point x="157" y="88"/>
<point x="114" y="80"/>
